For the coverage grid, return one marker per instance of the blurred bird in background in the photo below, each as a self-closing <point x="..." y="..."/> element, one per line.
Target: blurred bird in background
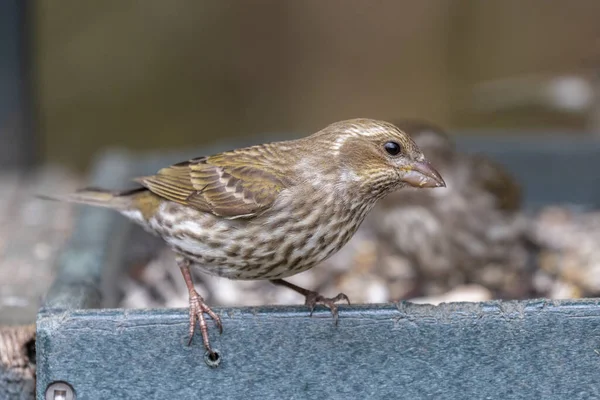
<point x="470" y="232"/>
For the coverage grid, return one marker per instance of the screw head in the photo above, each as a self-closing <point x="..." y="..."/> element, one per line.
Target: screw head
<point x="60" y="391"/>
<point x="212" y="360"/>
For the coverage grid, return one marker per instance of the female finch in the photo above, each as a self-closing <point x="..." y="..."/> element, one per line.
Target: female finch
<point x="272" y="210"/>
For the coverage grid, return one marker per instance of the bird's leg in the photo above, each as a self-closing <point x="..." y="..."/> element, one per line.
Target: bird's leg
<point x="314" y="298"/>
<point x="197" y="307"/>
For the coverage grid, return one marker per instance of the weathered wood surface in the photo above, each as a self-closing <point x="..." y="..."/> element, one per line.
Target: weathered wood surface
<point x="17" y="362"/>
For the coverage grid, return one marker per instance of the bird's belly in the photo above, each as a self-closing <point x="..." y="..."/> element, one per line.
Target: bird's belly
<point x="220" y="249"/>
<point x="270" y="249"/>
<point x="255" y="256"/>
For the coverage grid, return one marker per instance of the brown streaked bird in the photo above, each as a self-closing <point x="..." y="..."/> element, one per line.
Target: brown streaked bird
<point x="272" y="210"/>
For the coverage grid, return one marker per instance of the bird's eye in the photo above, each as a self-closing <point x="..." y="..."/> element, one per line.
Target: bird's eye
<point x="392" y="148"/>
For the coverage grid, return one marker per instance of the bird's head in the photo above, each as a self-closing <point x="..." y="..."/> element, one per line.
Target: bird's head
<point x="378" y="156"/>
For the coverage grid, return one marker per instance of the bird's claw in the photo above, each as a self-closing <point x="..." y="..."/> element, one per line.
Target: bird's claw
<point x="197" y="310"/>
<point x="314" y="298"/>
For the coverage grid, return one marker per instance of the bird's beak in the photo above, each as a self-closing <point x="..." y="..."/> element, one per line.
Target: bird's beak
<point x="422" y="175"/>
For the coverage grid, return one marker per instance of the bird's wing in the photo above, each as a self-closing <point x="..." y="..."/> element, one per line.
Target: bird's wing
<point x="234" y="184"/>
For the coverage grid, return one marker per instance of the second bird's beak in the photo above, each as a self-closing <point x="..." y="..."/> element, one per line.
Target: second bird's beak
<point x="422" y="175"/>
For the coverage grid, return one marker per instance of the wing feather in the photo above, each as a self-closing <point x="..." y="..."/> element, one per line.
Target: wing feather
<point x="239" y="183"/>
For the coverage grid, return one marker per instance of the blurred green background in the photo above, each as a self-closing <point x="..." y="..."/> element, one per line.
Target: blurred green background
<point x="159" y="74"/>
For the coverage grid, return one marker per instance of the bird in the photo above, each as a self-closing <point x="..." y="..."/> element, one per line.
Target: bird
<point x="472" y="231"/>
<point x="269" y="211"/>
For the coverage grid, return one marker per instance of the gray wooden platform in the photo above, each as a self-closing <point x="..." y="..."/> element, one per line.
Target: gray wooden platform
<point x="497" y="350"/>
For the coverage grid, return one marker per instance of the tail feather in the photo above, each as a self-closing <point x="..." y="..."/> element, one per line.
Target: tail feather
<point x="98" y="197"/>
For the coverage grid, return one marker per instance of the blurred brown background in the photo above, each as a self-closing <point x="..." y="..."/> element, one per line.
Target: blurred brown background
<point x="168" y="74"/>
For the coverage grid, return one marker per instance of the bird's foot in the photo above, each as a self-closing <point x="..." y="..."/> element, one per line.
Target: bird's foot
<point x="197" y="310"/>
<point x="314" y="298"/>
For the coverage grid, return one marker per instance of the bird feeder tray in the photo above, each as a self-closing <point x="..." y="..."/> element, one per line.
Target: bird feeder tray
<point x="492" y="350"/>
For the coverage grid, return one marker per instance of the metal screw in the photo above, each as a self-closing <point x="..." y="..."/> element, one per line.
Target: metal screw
<point x="60" y="391"/>
<point x="212" y="360"/>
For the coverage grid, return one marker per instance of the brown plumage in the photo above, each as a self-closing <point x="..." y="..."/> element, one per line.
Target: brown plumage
<point x="272" y="210"/>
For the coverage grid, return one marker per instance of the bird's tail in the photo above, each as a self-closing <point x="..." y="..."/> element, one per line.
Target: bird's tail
<point x="120" y="201"/>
